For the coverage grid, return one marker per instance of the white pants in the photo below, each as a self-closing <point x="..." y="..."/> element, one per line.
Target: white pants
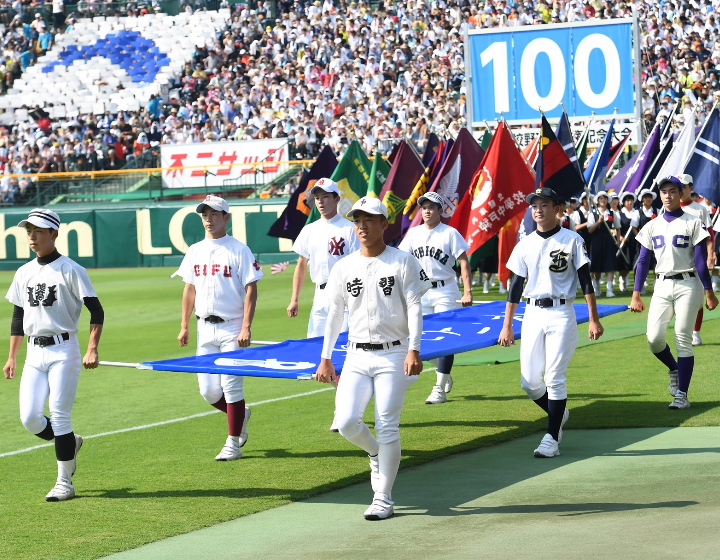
<point x="442" y="298"/>
<point x="319" y="313"/>
<point x="211" y="339"/>
<point x="682" y="298"/>
<point x="365" y="374"/>
<point x="548" y="340"/>
<point x="51" y="373"/>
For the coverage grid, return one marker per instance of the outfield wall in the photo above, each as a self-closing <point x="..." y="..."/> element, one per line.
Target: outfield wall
<point x="121" y="236"/>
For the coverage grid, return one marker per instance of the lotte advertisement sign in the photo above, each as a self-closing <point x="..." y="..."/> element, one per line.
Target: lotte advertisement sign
<point x="215" y="164"/>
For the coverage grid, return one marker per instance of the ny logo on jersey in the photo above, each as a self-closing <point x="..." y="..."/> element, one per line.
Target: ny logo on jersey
<point x="354" y="287"/>
<point x="337" y="246"/>
<point x="387" y="284"/>
<point x="559" y="261"/>
<point x="42" y="293"/>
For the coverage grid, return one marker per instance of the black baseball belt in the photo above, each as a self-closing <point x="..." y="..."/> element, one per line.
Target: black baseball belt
<point x="368" y="346"/>
<point x="212" y="319"/>
<point x="546" y="302"/>
<point x="43" y="341"/>
<point x="322" y="286"/>
<point x="680" y="276"/>
<point x="437" y="284"/>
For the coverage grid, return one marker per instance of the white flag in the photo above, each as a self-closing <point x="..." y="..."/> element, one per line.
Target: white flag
<point x="681" y="151"/>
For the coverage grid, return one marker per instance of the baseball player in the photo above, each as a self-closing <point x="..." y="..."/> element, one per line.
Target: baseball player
<point x="678" y="240"/>
<point x="321" y="244"/>
<point x="701" y="212"/>
<point x="48" y="294"/>
<point x="382" y="288"/>
<point x="437" y="246"/>
<point x="552" y="259"/>
<point x="220" y="275"/>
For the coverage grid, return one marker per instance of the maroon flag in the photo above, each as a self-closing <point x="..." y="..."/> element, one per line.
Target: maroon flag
<point x="404" y="175"/>
<point x="553" y="167"/>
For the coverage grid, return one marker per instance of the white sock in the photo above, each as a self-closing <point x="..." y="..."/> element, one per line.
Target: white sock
<point x="389" y="463"/>
<point x="65" y="469"/>
<point x="442" y="378"/>
<point x="234" y="439"/>
<point x="596" y="284"/>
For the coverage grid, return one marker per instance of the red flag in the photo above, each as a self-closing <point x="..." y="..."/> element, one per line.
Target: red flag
<point x="617" y="149"/>
<point x="531" y="150"/>
<point x="497" y="193"/>
<point x="277" y="268"/>
<point x="554" y="168"/>
<point x="507" y="239"/>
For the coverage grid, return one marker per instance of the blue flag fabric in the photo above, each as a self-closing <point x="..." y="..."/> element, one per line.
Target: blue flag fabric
<point x="445" y="333"/>
<point x="704" y="163"/>
<point x="597" y="168"/>
<point x="564" y="136"/>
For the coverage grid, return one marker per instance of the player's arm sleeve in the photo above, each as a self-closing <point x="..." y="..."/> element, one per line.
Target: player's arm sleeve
<point x="701" y="265"/>
<point x="700" y="233"/>
<point x="250" y="269"/>
<point x="405" y="244"/>
<point x="643" y="267"/>
<point x="516" y="264"/>
<point x="459" y="245"/>
<point x="336" y="313"/>
<point x="82" y="286"/>
<point x="186" y="269"/>
<point x="97" y="314"/>
<point x="16" y="325"/>
<point x="300" y="245"/>
<point x="415" y="325"/>
<point x="516" y="288"/>
<point x="583" y="274"/>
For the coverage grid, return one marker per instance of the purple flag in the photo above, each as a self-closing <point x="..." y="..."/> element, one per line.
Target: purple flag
<point x="630" y="176"/>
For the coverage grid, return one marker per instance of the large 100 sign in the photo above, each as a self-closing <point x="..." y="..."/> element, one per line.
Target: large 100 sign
<point x="586" y="67"/>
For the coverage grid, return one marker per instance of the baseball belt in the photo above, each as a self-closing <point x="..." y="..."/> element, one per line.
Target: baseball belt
<point x="546" y="302"/>
<point x="368" y="346"/>
<point x="43" y="341"/>
<point x="322" y="286"/>
<point x="212" y="319"/>
<point x="681" y="276"/>
<point x="437" y="284"/>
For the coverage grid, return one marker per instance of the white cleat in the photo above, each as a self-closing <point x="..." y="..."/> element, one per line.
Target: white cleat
<point x="680" y="401"/>
<point x="609" y="293"/>
<point x="437" y="396"/>
<point x="381" y="508"/>
<point x="548" y="448"/>
<point x="243" y="431"/>
<point x="448" y="385"/>
<point x="696" y="340"/>
<point x="486" y="287"/>
<point x="230" y="452"/>
<point x="566" y="416"/>
<point x="374" y="472"/>
<point x="63" y="490"/>
<point x="673" y="384"/>
<point x="334" y="427"/>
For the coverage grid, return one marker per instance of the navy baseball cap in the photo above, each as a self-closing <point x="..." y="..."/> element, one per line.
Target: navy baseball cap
<point x="542" y="192"/>
<point x="674" y="180"/>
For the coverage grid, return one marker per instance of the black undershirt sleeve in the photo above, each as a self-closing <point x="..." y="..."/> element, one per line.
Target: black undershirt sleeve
<point x="16" y="325"/>
<point x="516" y="289"/>
<point x="97" y="315"/>
<point x="585" y="280"/>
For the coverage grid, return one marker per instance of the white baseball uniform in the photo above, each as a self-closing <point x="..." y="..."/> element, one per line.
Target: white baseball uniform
<point x="383" y="296"/>
<point x="324" y="243"/>
<point x="51" y="296"/>
<point x="549" y="334"/>
<point x="437" y="249"/>
<point x="220" y="269"/>
<point x="673" y="244"/>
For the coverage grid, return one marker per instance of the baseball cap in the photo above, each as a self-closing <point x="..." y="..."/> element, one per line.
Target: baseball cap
<point x="686" y="179"/>
<point x="214" y="202"/>
<point x="42" y="218"/>
<point x="369" y="205"/>
<point x="599" y="194"/>
<point x="542" y="192"/>
<point x="648" y="192"/>
<point x="431" y="197"/>
<point x="672" y="180"/>
<point x="628" y="195"/>
<point x="328" y="185"/>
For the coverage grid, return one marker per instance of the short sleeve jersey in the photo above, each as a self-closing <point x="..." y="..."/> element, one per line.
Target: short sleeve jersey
<point x="51" y="296"/>
<point x="437" y="249"/>
<point x="377" y="292"/>
<point x="324" y="243"/>
<point x="219" y="269"/>
<point x="550" y="265"/>
<point x="673" y="242"/>
<point x="700" y="211"/>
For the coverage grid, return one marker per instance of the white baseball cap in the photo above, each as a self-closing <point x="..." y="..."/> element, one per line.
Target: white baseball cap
<point x="599" y="194"/>
<point x="686" y="179"/>
<point x="432" y="197"/>
<point x="328" y="185"/>
<point x="628" y="194"/>
<point x="42" y="218"/>
<point x="369" y="205"/>
<point x="647" y="191"/>
<point x="214" y="202"/>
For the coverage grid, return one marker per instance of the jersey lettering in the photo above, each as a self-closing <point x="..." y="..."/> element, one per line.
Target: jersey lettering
<point x="387" y="284"/>
<point x="559" y="261"/>
<point x="658" y="241"/>
<point x="432" y="252"/>
<point x="337" y="246"/>
<point x="354" y="287"/>
<point x="423" y="276"/>
<point x="681" y="241"/>
<point x="47" y="295"/>
<point x="214" y="270"/>
<point x="227" y="271"/>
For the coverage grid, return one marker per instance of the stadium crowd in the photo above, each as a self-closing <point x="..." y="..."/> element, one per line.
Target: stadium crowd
<point x="329" y="71"/>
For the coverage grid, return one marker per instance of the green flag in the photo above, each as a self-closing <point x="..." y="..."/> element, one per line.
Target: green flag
<point x="581" y="149"/>
<point x="352" y="175"/>
<point x="378" y="176"/>
<point x="485" y="140"/>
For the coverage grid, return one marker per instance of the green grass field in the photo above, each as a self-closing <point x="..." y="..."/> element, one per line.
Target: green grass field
<point x="143" y="485"/>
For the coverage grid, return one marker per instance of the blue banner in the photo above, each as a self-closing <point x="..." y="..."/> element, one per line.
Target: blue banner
<point x="518" y="71"/>
<point x="449" y="332"/>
